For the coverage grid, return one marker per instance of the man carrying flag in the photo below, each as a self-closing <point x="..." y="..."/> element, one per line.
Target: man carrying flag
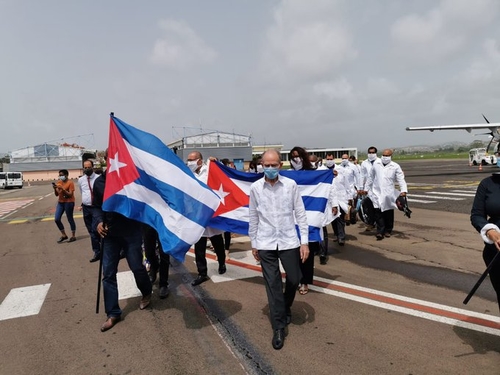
<point x="145" y="182"/>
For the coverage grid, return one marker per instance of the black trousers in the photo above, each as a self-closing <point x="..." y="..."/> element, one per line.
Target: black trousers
<point x="280" y="302"/>
<point x="307" y="268"/>
<point x="384" y="221"/>
<point x="88" y="219"/>
<point x="323" y="247"/>
<point x="338" y="226"/>
<point x="227" y="240"/>
<point x="161" y="264"/>
<point x="200" y="251"/>
<point x="489" y="253"/>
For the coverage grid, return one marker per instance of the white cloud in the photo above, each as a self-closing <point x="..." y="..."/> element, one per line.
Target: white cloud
<point x="307" y="40"/>
<point x="181" y="47"/>
<point x="339" y="89"/>
<point x="441" y="32"/>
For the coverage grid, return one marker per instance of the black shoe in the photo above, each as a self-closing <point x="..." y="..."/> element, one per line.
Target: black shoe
<point x="164" y="292"/>
<point x="95" y="258"/>
<point x="322" y="260"/>
<point x="288" y="319"/>
<point x="200" y="279"/>
<point x="62" y="239"/>
<point x="222" y="269"/>
<point x="341" y="242"/>
<point x="380" y="237"/>
<point x="278" y="339"/>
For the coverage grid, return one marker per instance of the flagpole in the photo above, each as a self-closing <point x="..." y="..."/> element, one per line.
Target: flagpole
<point x="99" y="276"/>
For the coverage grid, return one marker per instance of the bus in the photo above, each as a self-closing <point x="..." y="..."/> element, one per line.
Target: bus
<point x="11" y="180"/>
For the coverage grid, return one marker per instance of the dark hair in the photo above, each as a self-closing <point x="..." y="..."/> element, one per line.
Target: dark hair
<point x="226" y="162"/>
<point x="64" y="172"/>
<point x="352" y="158"/>
<point x="372" y="147"/>
<point x="91" y="162"/>
<point x="304" y="156"/>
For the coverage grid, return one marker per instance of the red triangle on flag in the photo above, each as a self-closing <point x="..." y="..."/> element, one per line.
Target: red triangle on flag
<point x="232" y="197"/>
<point x="120" y="169"/>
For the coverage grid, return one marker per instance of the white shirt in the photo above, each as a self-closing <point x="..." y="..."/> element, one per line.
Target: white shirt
<point x="202" y="175"/>
<point x="366" y="167"/>
<point x="380" y="184"/>
<point x="273" y="211"/>
<point x="83" y="183"/>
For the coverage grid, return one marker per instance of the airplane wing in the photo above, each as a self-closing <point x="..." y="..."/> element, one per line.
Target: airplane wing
<point x="493" y="126"/>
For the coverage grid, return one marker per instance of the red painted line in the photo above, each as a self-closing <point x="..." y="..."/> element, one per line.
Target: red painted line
<point x="380" y="298"/>
<point x="410" y="305"/>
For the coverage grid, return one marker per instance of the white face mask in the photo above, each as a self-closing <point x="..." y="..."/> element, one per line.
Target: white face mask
<point x="345" y="162"/>
<point x="62" y="178"/>
<point x="260" y="168"/>
<point x="193" y="165"/>
<point x="296" y="164"/>
<point x="372" y="157"/>
<point x="386" y="160"/>
<point x="330" y="163"/>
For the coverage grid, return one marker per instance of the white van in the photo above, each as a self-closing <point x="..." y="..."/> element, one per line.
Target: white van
<point x="11" y="180"/>
<point x="480" y="156"/>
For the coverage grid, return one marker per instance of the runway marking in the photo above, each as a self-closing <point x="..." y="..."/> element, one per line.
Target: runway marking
<point x="468" y="194"/>
<point x="437" y="197"/>
<point x="9" y="207"/>
<point x="415" y="307"/>
<point x="24" y="301"/>
<point x="21" y="221"/>
<point x="419" y="201"/>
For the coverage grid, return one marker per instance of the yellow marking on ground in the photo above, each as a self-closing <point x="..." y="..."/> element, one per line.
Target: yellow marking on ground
<point x="18" y="221"/>
<point x="47" y="219"/>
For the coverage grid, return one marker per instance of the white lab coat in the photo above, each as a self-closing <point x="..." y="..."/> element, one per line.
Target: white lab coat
<point x="380" y="184"/>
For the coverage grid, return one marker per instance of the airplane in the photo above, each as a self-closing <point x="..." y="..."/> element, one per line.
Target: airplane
<point x="493" y="127"/>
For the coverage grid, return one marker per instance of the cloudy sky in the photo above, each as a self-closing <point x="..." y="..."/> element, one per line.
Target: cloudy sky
<point x="315" y="73"/>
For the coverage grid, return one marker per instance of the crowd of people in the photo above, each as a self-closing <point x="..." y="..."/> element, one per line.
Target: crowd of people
<point x="275" y="209"/>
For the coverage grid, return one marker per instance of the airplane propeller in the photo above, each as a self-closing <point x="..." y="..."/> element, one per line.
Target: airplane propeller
<point x="490" y="133"/>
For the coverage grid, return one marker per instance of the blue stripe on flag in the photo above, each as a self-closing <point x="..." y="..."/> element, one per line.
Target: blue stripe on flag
<point x="144" y="213"/>
<point x="315" y="204"/>
<point x="177" y="200"/>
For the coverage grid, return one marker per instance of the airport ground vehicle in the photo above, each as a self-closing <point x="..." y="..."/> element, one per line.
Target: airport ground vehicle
<point x="11" y="180"/>
<point x="480" y="156"/>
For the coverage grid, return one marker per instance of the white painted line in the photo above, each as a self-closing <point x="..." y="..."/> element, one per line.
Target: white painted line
<point x="24" y="301"/>
<point x="468" y="194"/>
<point x="437" y="197"/>
<point x="409" y="311"/>
<point x="465" y="191"/>
<point x="127" y="287"/>
<point x="419" y="200"/>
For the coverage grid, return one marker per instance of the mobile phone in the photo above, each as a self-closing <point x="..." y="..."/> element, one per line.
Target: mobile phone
<point x="54" y="184"/>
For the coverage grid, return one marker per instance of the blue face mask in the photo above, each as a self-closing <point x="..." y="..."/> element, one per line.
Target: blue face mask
<point x="271" y="173"/>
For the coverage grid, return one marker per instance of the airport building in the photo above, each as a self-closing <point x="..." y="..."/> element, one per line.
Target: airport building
<point x="221" y="145"/>
<point x="42" y="162"/>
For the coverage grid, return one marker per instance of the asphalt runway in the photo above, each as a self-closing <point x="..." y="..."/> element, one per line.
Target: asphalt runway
<point x="378" y="307"/>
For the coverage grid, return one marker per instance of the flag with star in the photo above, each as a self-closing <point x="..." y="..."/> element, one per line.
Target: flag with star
<point x="233" y="188"/>
<point x="147" y="182"/>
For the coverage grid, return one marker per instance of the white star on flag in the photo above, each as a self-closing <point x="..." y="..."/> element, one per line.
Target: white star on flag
<point x="115" y="164"/>
<point x="222" y="194"/>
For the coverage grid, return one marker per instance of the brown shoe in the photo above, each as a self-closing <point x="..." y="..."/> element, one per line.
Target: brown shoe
<point x="145" y="301"/>
<point x="110" y="322"/>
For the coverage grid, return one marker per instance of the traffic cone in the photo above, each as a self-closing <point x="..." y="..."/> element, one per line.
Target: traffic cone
<point x="480" y="167"/>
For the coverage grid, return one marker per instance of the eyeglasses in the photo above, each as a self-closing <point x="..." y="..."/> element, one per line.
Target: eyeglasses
<point x="270" y="165"/>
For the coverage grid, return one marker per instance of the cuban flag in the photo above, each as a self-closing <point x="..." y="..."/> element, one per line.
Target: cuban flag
<point x="233" y="188"/>
<point x="147" y="182"/>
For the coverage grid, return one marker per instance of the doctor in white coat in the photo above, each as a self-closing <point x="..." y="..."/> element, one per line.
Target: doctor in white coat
<point x="381" y="190"/>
